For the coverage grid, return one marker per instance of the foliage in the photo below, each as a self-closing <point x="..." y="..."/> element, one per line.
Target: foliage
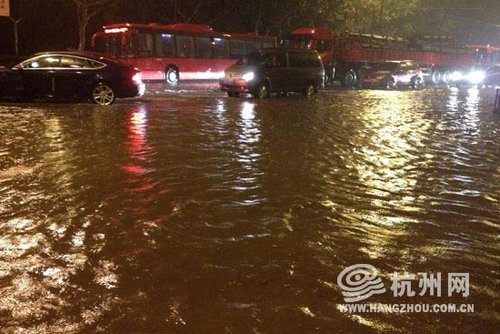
<point x="472" y="21"/>
<point x="85" y="10"/>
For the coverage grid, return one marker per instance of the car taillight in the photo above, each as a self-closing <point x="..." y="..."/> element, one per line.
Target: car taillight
<point x="137" y="78"/>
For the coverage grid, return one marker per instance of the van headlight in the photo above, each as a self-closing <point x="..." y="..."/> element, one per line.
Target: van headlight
<point x="248" y="76"/>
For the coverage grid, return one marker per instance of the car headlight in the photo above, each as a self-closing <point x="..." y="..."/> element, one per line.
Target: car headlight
<point x="476" y="77"/>
<point x="248" y="76"/>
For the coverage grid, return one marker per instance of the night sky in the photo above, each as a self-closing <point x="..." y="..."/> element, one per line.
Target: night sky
<point x="52" y="24"/>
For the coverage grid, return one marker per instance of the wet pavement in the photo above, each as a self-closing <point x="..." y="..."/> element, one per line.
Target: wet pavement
<point x="187" y="211"/>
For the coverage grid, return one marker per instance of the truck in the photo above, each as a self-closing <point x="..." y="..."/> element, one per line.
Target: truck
<point x="344" y="55"/>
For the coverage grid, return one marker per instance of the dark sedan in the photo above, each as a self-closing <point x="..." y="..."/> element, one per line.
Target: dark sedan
<point x="70" y="76"/>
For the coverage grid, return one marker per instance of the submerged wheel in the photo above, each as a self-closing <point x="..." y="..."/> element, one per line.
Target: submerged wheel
<point x="436" y="77"/>
<point x="446" y="78"/>
<point x="417" y="83"/>
<point x="389" y="83"/>
<point x="351" y="79"/>
<point x="310" y="90"/>
<point x="103" y="94"/>
<point x="172" y="76"/>
<point x="262" y="91"/>
<point x="329" y="76"/>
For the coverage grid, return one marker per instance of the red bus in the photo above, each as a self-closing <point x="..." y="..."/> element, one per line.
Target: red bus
<point x="176" y="52"/>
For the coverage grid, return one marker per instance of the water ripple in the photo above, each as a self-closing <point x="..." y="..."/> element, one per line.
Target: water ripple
<point x="193" y="212"/>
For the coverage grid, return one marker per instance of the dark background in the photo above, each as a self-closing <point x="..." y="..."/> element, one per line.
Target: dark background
<point x="53" y="24"/>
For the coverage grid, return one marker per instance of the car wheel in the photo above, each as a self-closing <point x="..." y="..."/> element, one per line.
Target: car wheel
<point x="417" y="83"/>
<point x="262" y="91"/>
<point x="310" y="90"/>
<point x="233" y="94"/>
<point x="389" y="83"/>
<point x="103" y="94"/>
<point x="172" y="76"/>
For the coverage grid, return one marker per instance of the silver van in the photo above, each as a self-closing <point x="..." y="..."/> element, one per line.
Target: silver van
<point x="275" y="70"/>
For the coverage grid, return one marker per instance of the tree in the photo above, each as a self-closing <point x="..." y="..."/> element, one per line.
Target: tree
<point x="85" y="10"/>
<point x="16" y="34"/>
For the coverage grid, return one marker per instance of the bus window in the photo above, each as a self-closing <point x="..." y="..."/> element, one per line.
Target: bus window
<point x="185" y="46"/>
<point x="165" y="45"/>
<point x="202" y="47"/>
<point x="145" y="45"/>
<point x="238" y="49"/>
<point x="128" y="44"/>
<point x="109" y="44"/>
<point x="253" y="46"/>
<point x="220" y="48"/>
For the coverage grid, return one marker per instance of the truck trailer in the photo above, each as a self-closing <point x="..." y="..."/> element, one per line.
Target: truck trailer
<point x="442" y="60"/>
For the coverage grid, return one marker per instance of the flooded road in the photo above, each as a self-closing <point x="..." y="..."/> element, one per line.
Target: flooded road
<point x="190" y="212"/>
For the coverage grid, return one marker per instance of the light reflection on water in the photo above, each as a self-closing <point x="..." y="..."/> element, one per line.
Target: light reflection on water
<point x="385" y="168"/>
<point x="202" y="213"/>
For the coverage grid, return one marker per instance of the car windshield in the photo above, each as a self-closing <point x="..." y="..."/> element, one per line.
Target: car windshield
<point x="480" y="68"/>
<point x="388" y="66"/>
<point x="494" y="69"/>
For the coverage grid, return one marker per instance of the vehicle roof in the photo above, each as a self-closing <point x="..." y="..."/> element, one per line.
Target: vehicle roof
<point x="399" y="61"/>
<point x="180" y="27"/>
<point x="318" y="32"/>
<point x="289" y="49"/>
<point x="86" y="54"/>
<point x="188" y="28"/>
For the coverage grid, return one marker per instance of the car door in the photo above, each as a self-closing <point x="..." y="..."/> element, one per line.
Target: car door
<point x="11" y="83"/>
<point x="302" y="69"/>
<point x="407" y="72"/>
<point x="276" y="70"/>
<point x="70" y="79"/>
<point x="37" y="75"/>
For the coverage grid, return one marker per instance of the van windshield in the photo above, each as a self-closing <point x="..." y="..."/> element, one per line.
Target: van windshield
<point x="300" y="41"/>
<point x="253" y="58"/>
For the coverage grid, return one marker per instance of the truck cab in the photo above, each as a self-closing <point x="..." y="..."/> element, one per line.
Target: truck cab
<point x="317" y="38"/>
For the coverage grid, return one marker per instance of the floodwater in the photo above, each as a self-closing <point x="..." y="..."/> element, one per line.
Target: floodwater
<point x="190" y="212"/>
